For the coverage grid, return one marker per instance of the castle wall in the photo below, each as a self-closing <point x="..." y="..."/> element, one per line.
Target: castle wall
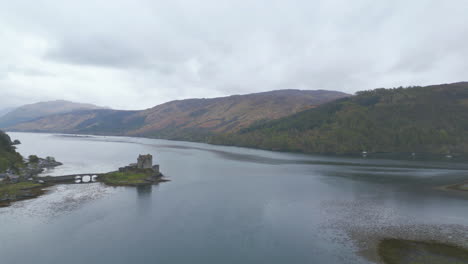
<point x="145" y="162"/>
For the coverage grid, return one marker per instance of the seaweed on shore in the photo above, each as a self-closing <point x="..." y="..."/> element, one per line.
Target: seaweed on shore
<point x="400" y="251"/>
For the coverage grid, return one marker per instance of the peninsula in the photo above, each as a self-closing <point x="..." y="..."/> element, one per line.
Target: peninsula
<point x="21" y="180"/>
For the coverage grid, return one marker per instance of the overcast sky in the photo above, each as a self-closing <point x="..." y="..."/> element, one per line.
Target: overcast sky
<point x="130" y="54"/>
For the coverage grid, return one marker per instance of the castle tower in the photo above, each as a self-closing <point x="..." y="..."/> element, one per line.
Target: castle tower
<point x="145" y="162"/>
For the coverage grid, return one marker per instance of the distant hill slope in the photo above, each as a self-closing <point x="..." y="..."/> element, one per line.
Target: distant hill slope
<point x="432" y="119"/>
<point x="4" y="111"/>
<point x="232" y="113"/>
<point x="100" y="122"/>
<point x="190" y="119"/>
<point x="33" y="111"/>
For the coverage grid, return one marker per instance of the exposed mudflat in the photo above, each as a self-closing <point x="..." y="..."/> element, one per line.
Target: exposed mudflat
<point x="372" y="224"/>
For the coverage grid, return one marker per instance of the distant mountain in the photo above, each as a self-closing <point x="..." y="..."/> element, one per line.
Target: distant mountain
<point x="432" y="119"/>
<point x="191" y="119"/>
<point x="34" y="111"/>
<point x="4" y="111"/>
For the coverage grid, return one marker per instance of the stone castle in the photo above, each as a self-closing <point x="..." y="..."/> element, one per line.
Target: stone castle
<point x="144" y="162"/>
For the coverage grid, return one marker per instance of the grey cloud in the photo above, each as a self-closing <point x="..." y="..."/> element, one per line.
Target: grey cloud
<point x="97" y="51"/>
<point x="149" y="52"/>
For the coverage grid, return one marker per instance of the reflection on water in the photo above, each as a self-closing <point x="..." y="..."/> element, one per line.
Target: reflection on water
<point x="144" y="191"/>
<point x="227" y="205"/>
<point x="144" y="198"/>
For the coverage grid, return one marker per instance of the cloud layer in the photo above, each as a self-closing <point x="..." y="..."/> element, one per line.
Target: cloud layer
<point x="136" y="54"/>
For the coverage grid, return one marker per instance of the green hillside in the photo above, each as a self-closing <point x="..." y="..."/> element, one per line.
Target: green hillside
<point x="432" y="119"/>
<point x="9" y="158"/>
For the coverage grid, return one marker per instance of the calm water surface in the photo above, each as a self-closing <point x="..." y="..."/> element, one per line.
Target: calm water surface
<point x="226" y="205"/>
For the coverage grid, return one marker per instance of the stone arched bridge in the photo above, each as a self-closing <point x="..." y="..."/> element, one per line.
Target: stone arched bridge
<point x="72" y="178"/>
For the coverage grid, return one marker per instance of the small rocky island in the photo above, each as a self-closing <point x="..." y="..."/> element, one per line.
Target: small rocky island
<point x="24" y="183"/>
<point x="141" y="173"/>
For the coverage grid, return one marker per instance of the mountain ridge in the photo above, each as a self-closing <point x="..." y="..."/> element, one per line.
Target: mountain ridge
<point x="210" y="115"/>
<point x="423" y="119"/>
<point x="33" y="111"/>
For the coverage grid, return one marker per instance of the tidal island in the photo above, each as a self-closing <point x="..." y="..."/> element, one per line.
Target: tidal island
<point x="141" y="173"/>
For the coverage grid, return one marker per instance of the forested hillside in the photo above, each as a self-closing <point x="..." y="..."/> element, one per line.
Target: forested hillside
<point x="9" y="158"/>
<point x="432" y="119"/>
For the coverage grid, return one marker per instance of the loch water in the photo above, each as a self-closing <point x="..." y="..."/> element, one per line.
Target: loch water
<point x="226" y="205"/>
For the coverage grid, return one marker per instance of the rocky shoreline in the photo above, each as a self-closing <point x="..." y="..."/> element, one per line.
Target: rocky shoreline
<point x="24" y="183"/>
<point x="30" y="171"/>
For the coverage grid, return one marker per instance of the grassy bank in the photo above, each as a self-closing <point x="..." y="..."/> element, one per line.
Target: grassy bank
<point x="19" y="191"/>
<point x="129" y="178"/>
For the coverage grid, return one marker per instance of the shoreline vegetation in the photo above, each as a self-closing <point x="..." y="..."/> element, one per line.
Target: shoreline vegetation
<point x="18" y="176"/>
